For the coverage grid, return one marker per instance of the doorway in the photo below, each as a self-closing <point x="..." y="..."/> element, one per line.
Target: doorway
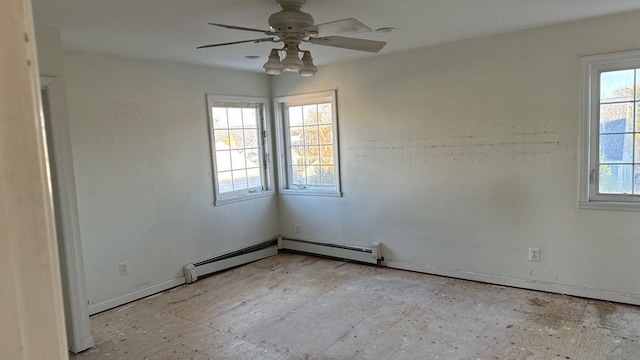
<point x="66" y="214"/>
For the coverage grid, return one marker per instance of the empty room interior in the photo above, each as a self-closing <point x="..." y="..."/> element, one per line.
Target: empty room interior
<point x="327" y="179"/>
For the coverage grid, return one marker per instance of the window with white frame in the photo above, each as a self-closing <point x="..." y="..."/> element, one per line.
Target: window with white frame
<point x="610" y="133"/>
<point x="308" y="144"/>
<point x="238" y="145"/>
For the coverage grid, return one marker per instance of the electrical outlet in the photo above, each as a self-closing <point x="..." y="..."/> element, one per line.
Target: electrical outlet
<point x="124" y="268"/>
<point x="534" y="254"/>
<point x="297" y="229"/>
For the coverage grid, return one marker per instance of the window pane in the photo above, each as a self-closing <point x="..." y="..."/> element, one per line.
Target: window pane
<point x="236" y="139"/>
<point x="219" y="117"/>
<point x="223" y="161"/>
<point x="237" y="160"/>
<point x="311" y="135"/>
<point x="324" y="113"/>
<point x="254" y="179"/>
<point x="616" y="86"/>
<point x="326" y="134"/>
<point x="296" y="136"/>
<point x="252" y="157"/>
<point x="313" y="175"/>
<point x="636" y="180"/>
<point x="224" y="182"/>
<point x="239" y="180"/>
<point x="637" y="116"/>
<point x="297" y="155"/>
<point x="637" y="84"/>
<point x="249" y="118"/>
<point x="615" y="179"/>
<point x="251" y="138"/>
<point x="297" y="174"/>
<point x="616" y="118"/>
<point x="636" y="158"/>
<point x="222" y="139"/>
<point x="235" y="117"/>
<point x="312" y="155"/>
<point x="616" y="148"/>
<point x="295" y="116"/>
<point x="310" y="114"/>
<point x="327" y="175"/>
<point x="326" y="155"/>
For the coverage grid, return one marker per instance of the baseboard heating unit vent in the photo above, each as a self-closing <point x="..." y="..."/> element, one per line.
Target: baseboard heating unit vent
<point x="236" y="258"/>
<point x="371" y="255"/>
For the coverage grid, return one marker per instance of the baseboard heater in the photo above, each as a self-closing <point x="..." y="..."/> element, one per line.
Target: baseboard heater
<point x="230" y="260"/>
<point x="371" y="255"/>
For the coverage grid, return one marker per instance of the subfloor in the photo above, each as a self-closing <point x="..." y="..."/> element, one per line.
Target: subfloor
<point x="300" y="307"/>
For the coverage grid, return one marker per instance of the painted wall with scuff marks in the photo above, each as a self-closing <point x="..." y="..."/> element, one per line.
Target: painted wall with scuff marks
<point x="49" y="51"/>
<point x="462" y="156"/>
<point x="140" y="140"/>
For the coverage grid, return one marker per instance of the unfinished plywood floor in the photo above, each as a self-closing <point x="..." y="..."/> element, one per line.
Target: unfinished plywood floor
<point x="301" y="307"/>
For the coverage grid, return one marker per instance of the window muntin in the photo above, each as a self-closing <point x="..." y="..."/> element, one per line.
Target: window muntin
<point x="238" y="147"/>
<point x="610" y="140"/>
<point x="309" y="144"/>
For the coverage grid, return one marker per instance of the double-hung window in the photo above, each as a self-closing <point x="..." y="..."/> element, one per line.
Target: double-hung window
<point x="610" y="132"/>
<point x="308" y="144"/>
<point x="239" y="146"/>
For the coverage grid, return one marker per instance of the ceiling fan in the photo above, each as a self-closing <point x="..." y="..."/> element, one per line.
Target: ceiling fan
<point x="292" y="26"/>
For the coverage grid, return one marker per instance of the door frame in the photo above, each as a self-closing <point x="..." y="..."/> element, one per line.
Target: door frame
<point x="70" y="247"/>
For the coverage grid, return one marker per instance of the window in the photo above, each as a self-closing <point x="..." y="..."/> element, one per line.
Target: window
<point x="610" y="134"/>
<point x="238" y="143"/>
<point x="308" y="139"/>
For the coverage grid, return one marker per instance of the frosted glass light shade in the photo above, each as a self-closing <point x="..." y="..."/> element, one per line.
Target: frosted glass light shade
<point x="308" y="68"/>
<point x="273" y="65"/>
<point x="291" y="62"/>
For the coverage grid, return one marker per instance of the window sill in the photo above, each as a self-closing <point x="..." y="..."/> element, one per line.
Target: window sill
<point x="239" y="198"/>
<point x="310" y="192"/>
<point x="609" y="205"/>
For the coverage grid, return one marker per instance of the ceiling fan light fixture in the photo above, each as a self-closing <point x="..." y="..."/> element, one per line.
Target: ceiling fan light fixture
<point x="273" y="65"/>
<point x="291" y="27"/>
<point x="308" y="68"/>
<point x="291" y="62"/>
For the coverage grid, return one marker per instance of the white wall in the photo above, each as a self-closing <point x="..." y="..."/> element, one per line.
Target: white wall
<point x="49" y="51"/>
<point x="143" y="170"/>
<point x="459" y="157"/>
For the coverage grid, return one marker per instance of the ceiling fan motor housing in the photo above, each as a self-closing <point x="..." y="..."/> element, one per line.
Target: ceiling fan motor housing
<point x="290" y="18"/>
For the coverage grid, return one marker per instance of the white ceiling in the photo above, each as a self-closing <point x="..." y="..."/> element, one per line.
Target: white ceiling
<point x="172" y="29"/>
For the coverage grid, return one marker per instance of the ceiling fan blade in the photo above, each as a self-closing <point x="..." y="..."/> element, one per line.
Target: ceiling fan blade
<point x="237" y="42"/>
<point x="344" y="26"/>
<point x="233" y="27"/>
<point x="349" y="43"/>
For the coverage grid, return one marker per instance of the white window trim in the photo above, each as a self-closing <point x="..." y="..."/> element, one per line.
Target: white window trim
<point x="592" y="66"/>
<point x="265" y="151"/>
<point x="284" y="175"/>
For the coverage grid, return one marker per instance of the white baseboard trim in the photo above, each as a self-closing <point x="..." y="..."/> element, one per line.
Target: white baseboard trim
<point x="572" y="290"/>
<point x="139" y="294"/>
<point x="88" y="342"/>
<point x="84" y="344"/>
